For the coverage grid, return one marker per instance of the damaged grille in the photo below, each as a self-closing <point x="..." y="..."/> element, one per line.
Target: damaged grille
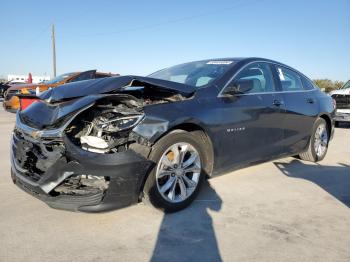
<point x="34" y="157"/>
<point x="343" y="101"/>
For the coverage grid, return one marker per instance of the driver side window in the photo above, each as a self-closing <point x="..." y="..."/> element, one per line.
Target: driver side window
<point x="258" y="76"/>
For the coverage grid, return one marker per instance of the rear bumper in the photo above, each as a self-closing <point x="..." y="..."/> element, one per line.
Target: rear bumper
<point x="125" y="171"/>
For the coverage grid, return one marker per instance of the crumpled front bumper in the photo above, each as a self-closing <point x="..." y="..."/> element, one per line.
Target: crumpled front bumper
<point x="125" y="171"/>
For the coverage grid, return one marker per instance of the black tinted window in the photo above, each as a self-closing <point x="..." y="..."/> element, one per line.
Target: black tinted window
<point x="290" y="80"/>
<point x="258" y="75"/>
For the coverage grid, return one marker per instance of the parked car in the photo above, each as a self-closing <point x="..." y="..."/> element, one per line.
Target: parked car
<point x="11" y="100"/>
<point x="3" y="88"/>
<point x="342" y="98"/>
<point x="7" y="85"/>
<point x="104" y="144"/>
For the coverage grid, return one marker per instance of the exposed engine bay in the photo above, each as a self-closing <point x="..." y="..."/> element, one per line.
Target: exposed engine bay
<point x="106" y="127"/>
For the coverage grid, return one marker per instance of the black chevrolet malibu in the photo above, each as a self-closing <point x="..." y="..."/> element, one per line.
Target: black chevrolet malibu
<point x="104" y="144"/>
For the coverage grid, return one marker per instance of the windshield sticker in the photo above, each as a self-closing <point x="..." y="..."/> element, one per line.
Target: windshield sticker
<point x="219" y="62"/>
<point x="280" y="73"/>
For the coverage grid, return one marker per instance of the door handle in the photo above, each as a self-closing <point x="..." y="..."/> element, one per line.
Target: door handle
<point x="277" y="102"/>
<point x="310" y="100"/>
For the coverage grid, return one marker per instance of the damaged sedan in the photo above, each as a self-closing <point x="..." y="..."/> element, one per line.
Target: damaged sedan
<point x="99" y="145"/>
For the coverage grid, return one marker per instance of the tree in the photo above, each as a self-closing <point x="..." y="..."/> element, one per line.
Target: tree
<point x="338" y="84"/>
<point x="328" y="85"/>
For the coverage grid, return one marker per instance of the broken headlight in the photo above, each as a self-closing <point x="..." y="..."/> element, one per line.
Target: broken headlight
<point x="119" y="123"/>
<point x="108" y="132"/>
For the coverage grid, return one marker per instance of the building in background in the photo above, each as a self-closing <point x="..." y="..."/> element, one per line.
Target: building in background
<point x="24" y="78"/>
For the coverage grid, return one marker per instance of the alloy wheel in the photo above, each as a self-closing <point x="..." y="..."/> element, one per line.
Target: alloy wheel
<point x="321" y="140"/>
<point x="178" y="172"/>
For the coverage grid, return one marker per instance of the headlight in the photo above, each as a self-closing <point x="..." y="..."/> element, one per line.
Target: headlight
<point x="119" y="123"/>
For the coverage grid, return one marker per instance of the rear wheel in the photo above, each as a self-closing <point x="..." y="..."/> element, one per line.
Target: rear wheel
<point x="177" y="175"/>
<point x="318" y="145"/>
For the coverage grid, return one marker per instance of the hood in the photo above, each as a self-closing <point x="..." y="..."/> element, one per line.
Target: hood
<point x="41" y="114"/>
<point x="345" y="91"/>
<point x="113" y="85"/>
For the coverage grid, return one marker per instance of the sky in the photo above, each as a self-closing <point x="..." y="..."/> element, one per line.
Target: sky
<point x="139" y="37"/>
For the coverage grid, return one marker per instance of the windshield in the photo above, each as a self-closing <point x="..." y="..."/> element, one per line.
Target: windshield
<point x="347" y="85"/>
<point x="195" y="74"/>
<point x="59" y="78"/>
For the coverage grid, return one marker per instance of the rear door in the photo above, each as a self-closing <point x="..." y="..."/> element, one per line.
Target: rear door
<point x="251" y="122"/>
<point x="301" y="108"/>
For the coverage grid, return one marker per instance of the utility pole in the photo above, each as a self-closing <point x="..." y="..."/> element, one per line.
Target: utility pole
<point x="53" y="50"/>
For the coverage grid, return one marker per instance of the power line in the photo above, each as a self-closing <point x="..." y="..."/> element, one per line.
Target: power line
<point x="172" y="21"/>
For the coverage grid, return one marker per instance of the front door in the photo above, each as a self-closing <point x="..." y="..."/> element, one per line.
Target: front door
<point x="252" y="127"/>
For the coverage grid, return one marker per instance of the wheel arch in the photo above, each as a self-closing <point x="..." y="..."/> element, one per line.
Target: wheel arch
<point x="328" y="120"/>
<point x="196" y="128"/>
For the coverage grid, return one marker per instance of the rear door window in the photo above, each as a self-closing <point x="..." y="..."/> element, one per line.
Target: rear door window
<point x="290" y="80"/>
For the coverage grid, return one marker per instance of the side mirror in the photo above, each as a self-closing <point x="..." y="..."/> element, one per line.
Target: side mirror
<point x="240" y="86"/>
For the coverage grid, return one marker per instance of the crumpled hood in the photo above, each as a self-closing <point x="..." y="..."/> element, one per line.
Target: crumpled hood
<point x="68" y="99"/>
<point x="111" y="85"/>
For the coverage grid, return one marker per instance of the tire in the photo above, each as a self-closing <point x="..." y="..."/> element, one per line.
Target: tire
<point x="163" y="156"/>
<point x="311" y="154"/>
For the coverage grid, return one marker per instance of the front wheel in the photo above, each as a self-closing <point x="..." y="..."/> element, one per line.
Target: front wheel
<point x="318" y="144"/>
<point x="177" y="174"/>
